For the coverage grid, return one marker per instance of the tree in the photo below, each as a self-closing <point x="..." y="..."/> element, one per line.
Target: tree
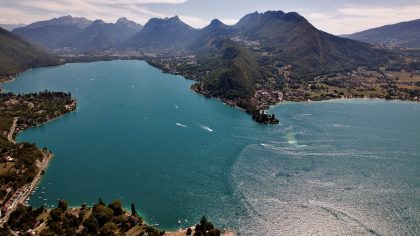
<point x="63" y="204"/>
<point x="203" y="223"/>
<point x="133" y="209"/>
<point x="101" y="202"/>
<point x="116" y="207"/>
<point x="206" y="228"/>
<point x="189" y="231"/>
<point x="91" y="225"/>
<point x="56" y="215"/>
<point x="150" y="230"/>
<point x="108" y="229"/>
<point x="70" y="220"/>
<point x="214" y="232"/>
<point x="103" y="214"/>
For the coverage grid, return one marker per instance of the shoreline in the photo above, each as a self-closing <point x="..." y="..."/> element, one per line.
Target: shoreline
<point x="167" y="71"/>
<point x="27" y="190"/>
<point x="22" y="195"/>
<point x="8" y="78"/>
<point x="266" y="104"/>
<point x="44" y="123"/>
<point x="344" y="100"/>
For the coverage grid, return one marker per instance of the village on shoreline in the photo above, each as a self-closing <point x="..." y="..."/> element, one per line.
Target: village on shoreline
<point x="18" y="113"/>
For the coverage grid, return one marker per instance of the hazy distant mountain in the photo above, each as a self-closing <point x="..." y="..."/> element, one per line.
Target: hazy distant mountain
<point x="287" y="37"/>
<point x="101" y="35"/>
<point x="80" y="22"/>
<point x="55" y="33"/>
<point x="406" y="34"/>
<point x="11" y="27"/>
<point x="163" y="33"/>
<point x="78" y="33"/>
<point x="208" y="35"/>
<point x="216" y="26"/>
<point x="17" y="55"/>
<point x="125" y="24"/>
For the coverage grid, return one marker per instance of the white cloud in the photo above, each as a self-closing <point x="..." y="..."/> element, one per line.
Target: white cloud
<point x="348" y="18"/>
<point x="10" y="15"/>
<point x="229" y="21"/>
<point x="107" y="10"/>
<point x="28" y="11"/>
<point x="353" y="18"/>
<point x="137" y="1"/>
<point x="194" y="21"/>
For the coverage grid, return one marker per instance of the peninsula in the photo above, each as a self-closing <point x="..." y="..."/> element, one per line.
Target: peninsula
<point x="100" y="219"/>
<point x="23" y="164"/>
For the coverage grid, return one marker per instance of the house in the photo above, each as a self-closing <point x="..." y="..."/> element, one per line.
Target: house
<point x="9" y="159"/>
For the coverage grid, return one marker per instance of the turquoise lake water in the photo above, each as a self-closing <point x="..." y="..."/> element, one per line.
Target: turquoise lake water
<point x="330" y="168"/>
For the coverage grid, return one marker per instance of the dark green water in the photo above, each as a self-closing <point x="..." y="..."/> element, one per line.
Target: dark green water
<point x="330" y="168"/>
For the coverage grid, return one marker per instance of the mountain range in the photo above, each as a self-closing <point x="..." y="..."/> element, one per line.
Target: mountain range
<point x="163" y="33"/>
<point x="78" y="33"/>
<point x="287" y="36"/>
<point x="237" y="59"/>
<point x="404" y="34"/>
<point x="290" y="38"/>
<point x="17" y="55"/>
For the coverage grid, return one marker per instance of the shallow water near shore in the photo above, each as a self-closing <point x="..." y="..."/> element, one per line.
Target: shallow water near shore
<point x="330" y="168"/>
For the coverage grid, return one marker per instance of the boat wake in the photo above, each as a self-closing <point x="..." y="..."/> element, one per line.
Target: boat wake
<point x="206" y="128"/>
<point x="339" y="126"/>
<point x="181" y="125"/>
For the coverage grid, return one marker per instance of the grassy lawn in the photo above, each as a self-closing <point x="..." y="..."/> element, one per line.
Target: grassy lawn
<point x="404" y="86"/>
<point x="405" y="76"/>
<point x="5" y="124"/>
<point x="5" y="167"/>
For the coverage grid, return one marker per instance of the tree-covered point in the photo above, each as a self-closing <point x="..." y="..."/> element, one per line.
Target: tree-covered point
<point x="18" y="161"/>
<point x="205" y="228"/>
<point x="33" y="109"/>
<point x="100" y="219"/>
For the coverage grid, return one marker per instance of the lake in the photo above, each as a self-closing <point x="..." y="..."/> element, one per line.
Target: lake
<point x="139" y="135"/>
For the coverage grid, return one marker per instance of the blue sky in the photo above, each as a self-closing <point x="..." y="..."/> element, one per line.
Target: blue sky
<point x="333" y="16"/>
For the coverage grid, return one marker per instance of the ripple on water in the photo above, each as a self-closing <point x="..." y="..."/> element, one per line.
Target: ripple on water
<point x="319" y="193"/>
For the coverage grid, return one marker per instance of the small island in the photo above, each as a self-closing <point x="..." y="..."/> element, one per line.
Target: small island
<point x="264" y="118"/>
